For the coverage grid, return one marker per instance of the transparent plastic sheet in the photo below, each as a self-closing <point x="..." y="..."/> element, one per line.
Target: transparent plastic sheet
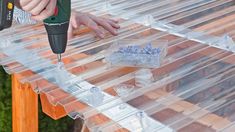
<point x="88" y="41"/>
<point x="97" y="71"/>
<point x="228" y="128"/>
<point x="159" y="106"/>
<point x="190" y="34"/>
<point x="88" y="47"/>
<point x="49" y="73"/>
<point x="141" y="91"/>
<point x="202" y="105"/>
<point x="179" y="51"/>
<point x="71" y="50"/>
<point x="193" y="34"/>
<point x="189" y="51"/>
<point x="71" y="97"/>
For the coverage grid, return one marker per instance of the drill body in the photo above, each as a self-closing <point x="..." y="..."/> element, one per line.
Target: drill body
<point x="6" y="13"/>
<point x="56" y="25"/>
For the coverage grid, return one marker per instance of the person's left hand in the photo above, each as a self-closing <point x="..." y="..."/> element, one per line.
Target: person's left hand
<point x="92" y="22"/>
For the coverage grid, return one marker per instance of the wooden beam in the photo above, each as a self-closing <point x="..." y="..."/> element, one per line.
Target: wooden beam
<point x="24" y="107"/>
<point x="55" y="112"/>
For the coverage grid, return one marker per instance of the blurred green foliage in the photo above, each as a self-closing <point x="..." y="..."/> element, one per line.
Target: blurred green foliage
<point x="46" y="124"/>
<point x="5" y="102"/>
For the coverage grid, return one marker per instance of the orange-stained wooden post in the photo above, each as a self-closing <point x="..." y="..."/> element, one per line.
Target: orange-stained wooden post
<point x="24" y="107"/>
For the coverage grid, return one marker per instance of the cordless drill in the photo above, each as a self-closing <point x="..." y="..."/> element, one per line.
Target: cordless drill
<point x="56" y="25"/>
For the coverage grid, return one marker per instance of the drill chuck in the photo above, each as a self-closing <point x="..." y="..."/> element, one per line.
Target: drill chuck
<point x="57" y="36"/>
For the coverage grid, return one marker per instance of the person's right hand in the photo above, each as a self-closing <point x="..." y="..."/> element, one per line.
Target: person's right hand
<point x="40" y="9"/>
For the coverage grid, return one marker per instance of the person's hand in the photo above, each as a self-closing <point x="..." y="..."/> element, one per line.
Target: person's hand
<point x="92" y="22"/>
<point x="40" y="9"/>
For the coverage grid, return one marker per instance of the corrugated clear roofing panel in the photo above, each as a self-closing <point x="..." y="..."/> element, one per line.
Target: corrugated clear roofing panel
<point x="191" y="88"/>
